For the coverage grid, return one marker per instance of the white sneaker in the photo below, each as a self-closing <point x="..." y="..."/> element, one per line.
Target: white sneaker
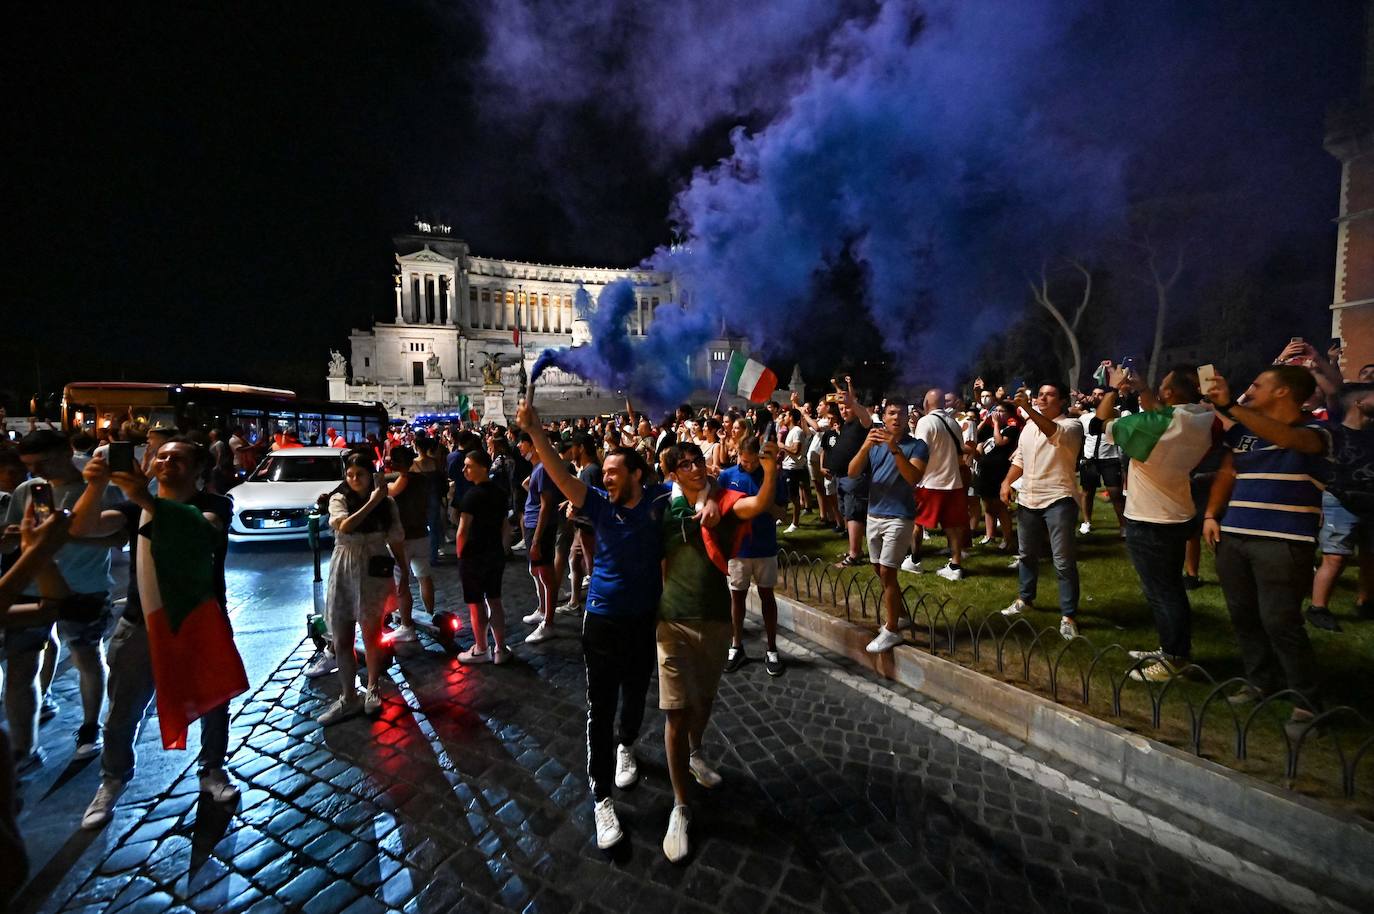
<point x="1017" y="607"/>
<point x="1068" y="628"/>
<point x="913" y="567"/>
<point x="500" y="655"/>
<point x="1156" y="654"/>
<point x="533" y="618"/>
<point x="626" y="768"/>
<point x="950" y="573"/>
<point x="706" y="776"/>
<point x="675" y="839"/>
<point x="372" y="702"/>
<point x="350" y="704"/>
<point x="984" y="540"/>
<point x="1085" y="528"/>
<point x="887" y="639"/>
<point x="570" y="608"/>
<point x="403" y="633"/>
<point x="102" y="804"/>
<point x="472" y="656"/>
<point x="608" y="833"/>
<point x="1015" y="563"/>
<point x="541" y="632"/>
<point x="323" y="664"/>
<point x="790" y="528"/>
<point x="216" y="784"/>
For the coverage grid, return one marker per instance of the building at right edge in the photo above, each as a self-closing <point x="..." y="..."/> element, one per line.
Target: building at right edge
<point x="1350" y="138"/>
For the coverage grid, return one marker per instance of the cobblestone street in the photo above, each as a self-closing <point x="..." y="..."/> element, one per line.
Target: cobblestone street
<point x="469" y="794"/>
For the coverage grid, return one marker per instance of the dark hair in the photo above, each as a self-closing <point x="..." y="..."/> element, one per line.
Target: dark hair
<point x="524" y="437"/>
<point x="634" y="460"/>
<point x="199" y="455"/>
<point x="1060" y="388"/>
<point x="82" y="442"/>
<point x="402" y="456"/>
<point x="1185" y="383"/>
<point x="43" y="441"/>
<point x="795" y="414"/>
<point x="479" y="457"/>
<point x="749" y="444"/>
<point x="673" y="456"/>
<point x="1299" y="381"/>
<point x="378" y="520"/>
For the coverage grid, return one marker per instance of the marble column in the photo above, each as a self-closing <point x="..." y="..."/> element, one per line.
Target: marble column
<point x="400" y="319"/>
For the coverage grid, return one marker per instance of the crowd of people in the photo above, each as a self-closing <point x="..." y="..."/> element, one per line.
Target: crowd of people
<point x="660" y="530"/>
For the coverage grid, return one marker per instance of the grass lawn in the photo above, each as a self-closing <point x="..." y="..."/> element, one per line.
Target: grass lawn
<point x="1113" y="611"/>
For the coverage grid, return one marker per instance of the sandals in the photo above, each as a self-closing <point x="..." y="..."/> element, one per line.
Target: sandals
<point x="851" y="561"/>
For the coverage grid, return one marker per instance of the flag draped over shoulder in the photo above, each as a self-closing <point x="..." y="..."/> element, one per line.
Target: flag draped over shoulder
<point x="1139" y="433"/>
<point x="196" y="666"/>
<point x="723" y="541"/>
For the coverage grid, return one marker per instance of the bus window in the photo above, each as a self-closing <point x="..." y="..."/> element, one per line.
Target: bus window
<point x="310" y="428"/>
<point x="372" y="426"/>
<point x="283" y="422"/>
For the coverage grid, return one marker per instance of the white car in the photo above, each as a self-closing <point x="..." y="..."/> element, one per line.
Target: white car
<point x="275" y="501"/>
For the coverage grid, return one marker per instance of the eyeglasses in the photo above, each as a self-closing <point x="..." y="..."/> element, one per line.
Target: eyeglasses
<point x="692" y="464"/>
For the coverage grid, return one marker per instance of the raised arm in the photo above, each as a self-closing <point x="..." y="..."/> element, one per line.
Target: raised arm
<point x="1288" y="437"/>
<point x="89" y="517"/>
<point x="752" y="506"/>
<point x="572" y="488"/>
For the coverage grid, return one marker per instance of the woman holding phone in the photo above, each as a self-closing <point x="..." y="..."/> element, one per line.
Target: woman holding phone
<point x="369" y="547"/>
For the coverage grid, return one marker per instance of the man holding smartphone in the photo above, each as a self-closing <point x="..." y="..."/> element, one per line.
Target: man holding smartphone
<point x="85" y="564"/>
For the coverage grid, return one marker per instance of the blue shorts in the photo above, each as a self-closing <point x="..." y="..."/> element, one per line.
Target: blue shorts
<point x="1342" y="531"/>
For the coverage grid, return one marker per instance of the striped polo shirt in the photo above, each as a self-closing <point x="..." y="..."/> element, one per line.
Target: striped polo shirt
<point x="1278" y="492"/>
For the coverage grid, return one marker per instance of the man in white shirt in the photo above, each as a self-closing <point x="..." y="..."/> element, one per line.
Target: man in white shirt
<point x="1101" y="467"/>
<point x="1165" y="440"/>
<point x="941" y="498"/>
<point x="1045" y="462"/>
<point x="794" y="474"/>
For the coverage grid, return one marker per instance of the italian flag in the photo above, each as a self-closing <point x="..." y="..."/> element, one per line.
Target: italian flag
<point x="749" y="379"/>
<point x="1188" y="429"/>
<point x="196" y="666"/>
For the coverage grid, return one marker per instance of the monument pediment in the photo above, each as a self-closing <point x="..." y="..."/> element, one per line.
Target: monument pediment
<point x="424" y="256"/>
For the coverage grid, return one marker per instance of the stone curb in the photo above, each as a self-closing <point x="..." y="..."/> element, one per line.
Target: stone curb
<point x="1326" y="841"/>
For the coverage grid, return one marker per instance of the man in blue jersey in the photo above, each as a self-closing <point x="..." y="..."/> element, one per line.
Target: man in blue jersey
<point x="757" y="560"/>
<point x="618" y="628"/>
<point x="1263" y="516"/>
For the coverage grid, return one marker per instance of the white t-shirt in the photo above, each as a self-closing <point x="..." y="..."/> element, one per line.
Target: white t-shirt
<point x="1097" y="447"/>
<point x="794" y="440"/>
<point x="940" y="432"/>
<point x="1160" y="490"/>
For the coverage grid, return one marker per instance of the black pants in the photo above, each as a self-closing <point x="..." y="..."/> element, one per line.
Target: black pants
<point x="620" y="656"/>
<point x="1265" y="581"/>
<point x="1157" y="551"/>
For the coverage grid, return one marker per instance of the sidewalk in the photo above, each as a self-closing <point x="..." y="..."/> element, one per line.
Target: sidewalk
<point x="470" y="794"/>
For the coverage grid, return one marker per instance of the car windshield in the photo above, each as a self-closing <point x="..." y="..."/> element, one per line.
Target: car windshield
<point x="300" y="469"/>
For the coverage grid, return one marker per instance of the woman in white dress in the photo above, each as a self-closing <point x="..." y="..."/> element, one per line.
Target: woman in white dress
<point x="369" y="547"/>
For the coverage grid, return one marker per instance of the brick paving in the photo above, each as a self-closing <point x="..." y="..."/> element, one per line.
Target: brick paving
<point x="469" y="794"/>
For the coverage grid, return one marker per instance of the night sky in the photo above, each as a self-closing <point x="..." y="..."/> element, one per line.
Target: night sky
<point x="211" y="194"/>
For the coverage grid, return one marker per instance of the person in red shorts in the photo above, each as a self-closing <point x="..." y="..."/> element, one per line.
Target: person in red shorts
<point x="942" y="497"/>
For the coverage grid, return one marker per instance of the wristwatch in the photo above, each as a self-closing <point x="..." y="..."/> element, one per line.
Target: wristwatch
<point x="1225" y="409"/>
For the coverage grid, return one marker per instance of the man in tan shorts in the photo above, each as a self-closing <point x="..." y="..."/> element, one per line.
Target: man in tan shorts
<point x="694" y="617"/>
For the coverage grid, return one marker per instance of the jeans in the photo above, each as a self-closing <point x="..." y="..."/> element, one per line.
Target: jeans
<point x="131" y="688"/>
<point x="620" y="655"/>
<point x="1050" y="530"/>
<point x="1265" y="581"/>
<point x="1156" y="551"/>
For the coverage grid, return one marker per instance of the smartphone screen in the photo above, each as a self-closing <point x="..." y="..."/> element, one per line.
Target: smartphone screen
<point x="1205" y="375"/>
<point x="40" y="496"/>
<point x="121" y="456"/>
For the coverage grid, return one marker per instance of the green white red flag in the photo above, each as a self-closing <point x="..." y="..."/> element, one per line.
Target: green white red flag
<point x="749" y="379"/>
<point x="196" y="666"/>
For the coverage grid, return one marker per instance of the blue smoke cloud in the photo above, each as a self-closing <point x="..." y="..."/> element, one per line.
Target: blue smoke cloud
<point x="949" y="146"/>
<point x="653" y="371"/>
<point x="923" y="145"/>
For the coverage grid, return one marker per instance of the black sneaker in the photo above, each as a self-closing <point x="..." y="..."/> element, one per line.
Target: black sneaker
<point x="734" y="659"/>
<point x="772" y="662"/>
<point x="88" y="742"/>
<point x="1321" y="617"/>
<point x="1191" y="582"/>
